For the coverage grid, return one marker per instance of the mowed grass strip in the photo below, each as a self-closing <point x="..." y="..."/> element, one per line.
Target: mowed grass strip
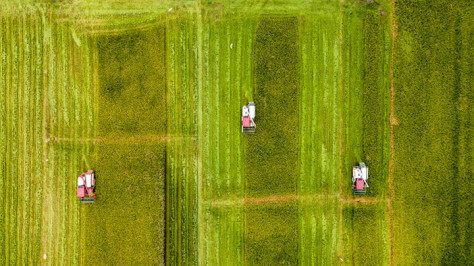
<point x="433" y="141"/>
<point x="271" y="154"/>
<point x="352" y="58"/>
<point x="21" y="144"/>
<point x="375" y="98"/>
<point x="322" y="133"/>
<point x="181" y="156"/>
<point x="321" y="104"/>
<point x="230" y="79"/>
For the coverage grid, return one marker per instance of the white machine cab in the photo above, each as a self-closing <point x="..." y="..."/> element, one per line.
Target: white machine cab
<point x="89" y="179"/>
<point x="251" y="107"/>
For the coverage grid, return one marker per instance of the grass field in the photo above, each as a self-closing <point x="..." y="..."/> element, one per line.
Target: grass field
<point x="149" y="95"/>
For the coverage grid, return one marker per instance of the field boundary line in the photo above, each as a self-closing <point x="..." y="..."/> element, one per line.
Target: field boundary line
<point x="393" y="122"/>
<point x="45" y="51"/>
<point x="121" y="140"/>
<point x="275" y="199"/>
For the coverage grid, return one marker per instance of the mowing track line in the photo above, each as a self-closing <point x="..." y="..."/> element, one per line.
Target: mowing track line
<point x="393" y="122"/>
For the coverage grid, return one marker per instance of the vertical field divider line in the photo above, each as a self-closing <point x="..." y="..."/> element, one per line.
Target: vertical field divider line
<point x="7" y="171"/>
<point x="3" y="137"/>
<point x="199" y="75"/>
<point x="14" y="228"/>
<point x="30" y="39"/>
<point x="21" y="214"/>
<point x="39" y="131"/>
<point x="393" y="122"/>
<point x="303" y="35"/>
<point x="216" y="107"/>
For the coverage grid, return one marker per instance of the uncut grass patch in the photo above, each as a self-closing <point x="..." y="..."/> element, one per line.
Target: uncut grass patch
<point x="375" y="97"/>
<point x="365" y="237"/>
<point x="126" y="224"/>
<point x="132" y="83"/>
<point x="433" y="142"/>
<point x="271" y="234"/>
<point x="271" y="154"/>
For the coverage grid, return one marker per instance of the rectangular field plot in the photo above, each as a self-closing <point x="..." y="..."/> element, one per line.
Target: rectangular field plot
<point x="319" y="231"/>
<point x="366" y="239"/>
<point x="127" y="223"/>
<point x="271" y="155"/>
<point x="132" y="78"/>
<point x="209" y="72"/>
<point x="222" y="242"/>
<point x="433" y="139"/>
<point x="271" y="234"/>
<point x="322" y="104"/>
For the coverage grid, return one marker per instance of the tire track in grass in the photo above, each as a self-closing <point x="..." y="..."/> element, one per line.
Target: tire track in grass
<point x="183" y="163"/>
<point x="235" y="144"/>
<point x="393" y="122"/>
<point x="173" y="250"/>
<point x="199" y="129"/>
<point x="45" y="118"/>
<point x="39" y="145"/>
<point x="13" y="230"/>
<point x="28" y="135"/>
<point x="62" y="93"/>
<point x="214" y="114"/>
<point x="22" y="215"/>
<point x="223" y="109"/>
<point x="54" y="178"/>
<point x="305" y="49"/>
<point x="3" y="137"/>
<point x="8" y="156"/>
<point x="30" y="84"/>
<point x="206" y="139"/>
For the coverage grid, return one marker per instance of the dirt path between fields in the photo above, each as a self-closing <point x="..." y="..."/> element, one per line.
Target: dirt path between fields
<point x="274" y="199"/>
<point x="393" y="122"/>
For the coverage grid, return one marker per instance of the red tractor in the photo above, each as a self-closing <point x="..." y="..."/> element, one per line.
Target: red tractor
<point x="86" y="187"/>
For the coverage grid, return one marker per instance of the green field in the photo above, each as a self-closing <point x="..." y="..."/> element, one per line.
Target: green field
<point x="149" y="95"/>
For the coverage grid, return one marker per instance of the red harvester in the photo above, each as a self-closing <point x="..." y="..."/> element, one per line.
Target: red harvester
<point x="86" y="187"/>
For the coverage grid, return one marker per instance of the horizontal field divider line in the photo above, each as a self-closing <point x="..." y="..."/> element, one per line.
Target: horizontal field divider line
<point x="122" y="139"/>
<point x="305" y="199"/>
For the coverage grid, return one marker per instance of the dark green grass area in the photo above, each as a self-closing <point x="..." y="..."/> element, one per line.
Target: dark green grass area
<point x="132" y="83"/>
<point x="271" y="154"/>
<point x="126" y="224"/>
<point x="271" y="234"/>
<point x="376" y="97"/>
<point x="364" y="238"/>
<point x="433" y="75"/>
